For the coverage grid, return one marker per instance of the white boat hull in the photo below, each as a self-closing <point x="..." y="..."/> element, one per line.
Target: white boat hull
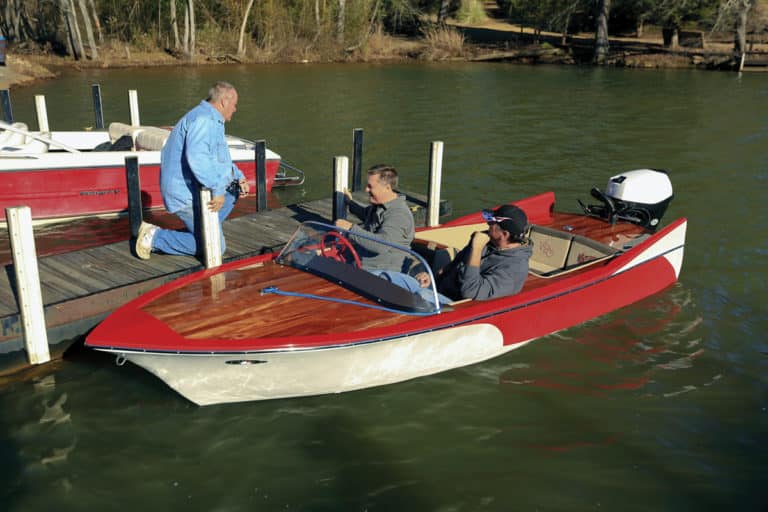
<point x="220" y="378"/>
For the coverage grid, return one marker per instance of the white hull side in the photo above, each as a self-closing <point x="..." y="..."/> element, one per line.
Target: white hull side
<point x="671" y="246"/>
<point x="208" y="379"/>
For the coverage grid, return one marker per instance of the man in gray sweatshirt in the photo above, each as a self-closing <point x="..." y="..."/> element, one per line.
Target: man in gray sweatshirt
<point x="493" y="264"/>
<point x="387" y="218"/>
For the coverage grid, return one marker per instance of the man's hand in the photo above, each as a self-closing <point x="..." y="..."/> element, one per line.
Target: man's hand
<point x="343" y="224"/>
<point x="216" y="203"/>
<point x="244" y="187"/>
<point x="348" y="195"/>
<point x="479" y="240"/>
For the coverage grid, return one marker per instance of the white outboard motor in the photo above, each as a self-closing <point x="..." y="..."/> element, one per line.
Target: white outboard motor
<point x="640" y="196"/>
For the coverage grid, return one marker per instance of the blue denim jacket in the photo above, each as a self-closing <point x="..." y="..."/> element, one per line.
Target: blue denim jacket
<point x="196" y="150"/>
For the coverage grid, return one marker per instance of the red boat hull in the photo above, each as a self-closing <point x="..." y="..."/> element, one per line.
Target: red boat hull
<point x="58" y="194"/>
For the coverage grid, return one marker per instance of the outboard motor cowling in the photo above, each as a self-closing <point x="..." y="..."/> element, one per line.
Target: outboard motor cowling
<point x="640" y="196"/>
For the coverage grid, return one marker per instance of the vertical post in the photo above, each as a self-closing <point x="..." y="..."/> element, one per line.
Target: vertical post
<point x="97" y="110"/>
<point x="340" y="181"/>
<point x="42" y="114"/>
<point x="133" y="103"/>
<point x="435" y="177"/>
<point x="133" y="186"/>
<point x="30" y="296"/>
<point x="357" y="159"/>
<point x="5" y="98"/>
<point x="261" y="175"/>
<point x="211" y="230"/>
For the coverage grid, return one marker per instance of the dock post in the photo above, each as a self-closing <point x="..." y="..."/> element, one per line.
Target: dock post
<point x="133" y="103"/>
<point x="5" y="98"/>
<point x="97" y="110"/>
<point x="261" y="175"/>
<point x="42" y="114"/>
<point x="435" y="172"/>
<point x="133" y="186"/>
<point x="30" y="296"/>
<point x="210" y="231"/>
<point x="340" y="181"/>
<point x="357" y="159"/>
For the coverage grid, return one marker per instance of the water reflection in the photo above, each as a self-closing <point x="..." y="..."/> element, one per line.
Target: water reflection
<point x="626" y="351"/>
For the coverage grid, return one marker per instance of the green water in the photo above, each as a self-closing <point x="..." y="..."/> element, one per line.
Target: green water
<point x="658" y="406"/>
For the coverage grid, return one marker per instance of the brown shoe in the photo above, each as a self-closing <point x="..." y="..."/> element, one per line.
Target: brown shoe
<point x="144" y="240"/>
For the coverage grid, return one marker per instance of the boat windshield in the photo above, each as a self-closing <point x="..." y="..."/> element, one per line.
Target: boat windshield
<point x="390" y="276"/>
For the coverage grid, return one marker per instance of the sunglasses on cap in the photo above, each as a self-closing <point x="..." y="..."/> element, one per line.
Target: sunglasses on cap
<point x="488" y="216"/>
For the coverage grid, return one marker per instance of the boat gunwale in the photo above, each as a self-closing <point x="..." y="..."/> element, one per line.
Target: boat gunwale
<point x="463" y="314"/>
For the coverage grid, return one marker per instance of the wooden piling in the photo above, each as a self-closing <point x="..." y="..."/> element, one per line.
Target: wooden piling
<point x="42" y="114"/>
<point x="340" y="183"/>
<point x="133" y="187"/>
<point x="97" y="110"/>
<point x="29" y="294"/>
<point x="435" y="177"/>
<point x="210" y="231"/>
<point x="261" y="175"/>
<point x="357" y="159"/>
<point x="5" y="99"/>
<point x="133" y="103"/>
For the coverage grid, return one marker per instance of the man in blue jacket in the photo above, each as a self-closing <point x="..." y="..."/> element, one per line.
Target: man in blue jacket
<point x="196" y="153"/>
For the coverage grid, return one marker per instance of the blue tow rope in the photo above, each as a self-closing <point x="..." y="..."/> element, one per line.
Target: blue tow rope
<point x="278" y="291"/>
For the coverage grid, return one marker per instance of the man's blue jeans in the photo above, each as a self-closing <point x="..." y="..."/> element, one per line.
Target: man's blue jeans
<point x="184" y="243"/>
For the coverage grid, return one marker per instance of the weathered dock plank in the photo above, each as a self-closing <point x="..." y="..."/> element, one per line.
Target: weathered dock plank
<point x="80" y="288"/>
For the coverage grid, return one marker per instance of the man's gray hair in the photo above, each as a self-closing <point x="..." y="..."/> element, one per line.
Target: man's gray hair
<point x="219" y="90"/>
<point x="386" y="173"/>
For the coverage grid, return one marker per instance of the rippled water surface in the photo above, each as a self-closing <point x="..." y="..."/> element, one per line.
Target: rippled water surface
<point x="658" y="406"/>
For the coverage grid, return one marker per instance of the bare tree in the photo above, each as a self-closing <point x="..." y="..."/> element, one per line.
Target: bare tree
<point x="736" y="11"/>
<point x="174" y="25"/>
<point x="89" y="30"/>
<point x="601" y="31"/>
<point x="340" y="21"/>
<point x="191" y="11"/>
<point x="240" y="41"/>
<point x="96" y="21"/>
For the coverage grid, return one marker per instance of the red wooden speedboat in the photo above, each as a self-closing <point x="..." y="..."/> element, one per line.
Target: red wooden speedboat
<point x="311" y="321"/>
<point x="64" y="175"/>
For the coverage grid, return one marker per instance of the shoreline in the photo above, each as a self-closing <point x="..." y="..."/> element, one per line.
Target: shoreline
<point x="491" y="42"/>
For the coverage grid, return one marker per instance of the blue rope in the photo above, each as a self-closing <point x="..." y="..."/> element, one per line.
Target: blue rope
<point x="278" y="291"/>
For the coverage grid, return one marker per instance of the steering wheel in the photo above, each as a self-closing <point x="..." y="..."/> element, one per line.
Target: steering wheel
<point x="334" y="246"/>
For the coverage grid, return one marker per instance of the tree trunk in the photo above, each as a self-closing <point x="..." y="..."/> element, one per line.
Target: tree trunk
<point x="442" y="13"/>
<point x="740" y="37"/>
<point x="69" y="27"/>
<point x="191" y="4"/>
<point x="89" y="30"/>
<point x="96" y="21"/>
<point x="601" y="31"/>
<point x="76" y="28"/>
<point x="185" y="38"/>
<point x="240" y="42"/>
<point x="340" y="21"/>
<point x="174" y="25"/>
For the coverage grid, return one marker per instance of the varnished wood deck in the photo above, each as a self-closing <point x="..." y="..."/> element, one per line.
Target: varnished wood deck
<point x="235" y="308"/>
<point x="80" y="288"/>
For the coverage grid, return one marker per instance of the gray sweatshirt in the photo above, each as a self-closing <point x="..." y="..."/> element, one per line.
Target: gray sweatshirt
<point x="501" y="273"/>
<point x="391" y="222"/>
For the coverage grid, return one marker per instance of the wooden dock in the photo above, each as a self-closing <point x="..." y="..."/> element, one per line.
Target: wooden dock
<point x="80" y="288"/>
